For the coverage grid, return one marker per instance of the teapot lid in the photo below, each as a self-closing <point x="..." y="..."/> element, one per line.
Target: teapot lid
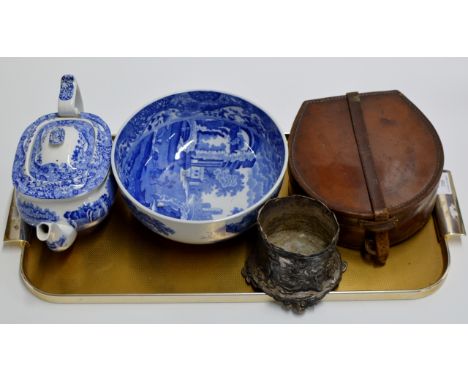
<point x="65" y="154"/>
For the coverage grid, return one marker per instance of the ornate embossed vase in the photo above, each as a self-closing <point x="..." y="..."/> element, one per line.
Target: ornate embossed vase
<point x="195" y="167"/>
<point x="296" y="260"/>
<point x="61" y="172"/>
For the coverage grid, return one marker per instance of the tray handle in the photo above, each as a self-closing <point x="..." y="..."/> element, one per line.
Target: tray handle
<point x="447" y="208"/>
<point x="16" y="231"/>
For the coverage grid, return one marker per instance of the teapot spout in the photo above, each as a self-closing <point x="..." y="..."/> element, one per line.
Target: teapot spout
<point x="58" y="236"/>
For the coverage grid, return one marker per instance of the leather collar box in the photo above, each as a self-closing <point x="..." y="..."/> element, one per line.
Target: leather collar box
<point x="374" y="159"/>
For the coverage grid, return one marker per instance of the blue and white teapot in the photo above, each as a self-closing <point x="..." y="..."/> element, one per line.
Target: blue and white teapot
<point x="61" y="173"/>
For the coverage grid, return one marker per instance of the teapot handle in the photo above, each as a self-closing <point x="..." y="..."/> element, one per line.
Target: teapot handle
<point x="70" y="103"/>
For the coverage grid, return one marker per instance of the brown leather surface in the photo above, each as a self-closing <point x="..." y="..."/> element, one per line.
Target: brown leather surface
<point x="407" y="158"/>
<point x="323" y="160"/>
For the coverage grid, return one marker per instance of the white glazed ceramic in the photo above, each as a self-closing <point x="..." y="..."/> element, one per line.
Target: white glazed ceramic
<point x="61" y="173"/>
<point x="195" y="167"/>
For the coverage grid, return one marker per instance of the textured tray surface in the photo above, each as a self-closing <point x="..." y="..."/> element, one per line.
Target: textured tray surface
<point x="120" y="256"/>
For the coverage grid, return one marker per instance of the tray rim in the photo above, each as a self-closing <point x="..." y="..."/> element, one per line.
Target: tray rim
<point x="123" y="298"/>
<point x="350" y="295"/>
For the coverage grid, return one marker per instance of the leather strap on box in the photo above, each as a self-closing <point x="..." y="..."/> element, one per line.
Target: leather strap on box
<point x="380" y="246"/>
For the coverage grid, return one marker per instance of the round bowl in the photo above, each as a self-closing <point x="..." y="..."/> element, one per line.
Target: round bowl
<point x="195" y="167"/>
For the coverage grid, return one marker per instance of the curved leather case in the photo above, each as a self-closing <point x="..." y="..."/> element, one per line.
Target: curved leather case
<point x="374" y="159"/>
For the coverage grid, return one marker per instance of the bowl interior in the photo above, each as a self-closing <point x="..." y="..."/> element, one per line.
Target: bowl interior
<point x="199" y="155"/>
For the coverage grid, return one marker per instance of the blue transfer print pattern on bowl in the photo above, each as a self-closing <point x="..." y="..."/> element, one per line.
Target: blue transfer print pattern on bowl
<point x="33" y="215"/>
<point x="199" y="156"/>
<point x="153" y="224"/>
<point x="57" y="136"/>
<point x="91" y="212"/>
<point x="66" y="87"/>
<point x="88" y="166"/>
<point x="246" y="222"/>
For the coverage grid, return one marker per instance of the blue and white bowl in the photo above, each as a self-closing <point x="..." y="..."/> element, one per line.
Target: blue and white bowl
<point x="61" y="172"/>
<point x="195" y="167"/>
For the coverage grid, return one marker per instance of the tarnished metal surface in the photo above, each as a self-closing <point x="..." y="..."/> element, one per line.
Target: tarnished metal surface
<point x="296" y="260"/>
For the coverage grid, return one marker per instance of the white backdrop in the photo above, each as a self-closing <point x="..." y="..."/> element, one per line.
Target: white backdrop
<point x="115" y="88"/>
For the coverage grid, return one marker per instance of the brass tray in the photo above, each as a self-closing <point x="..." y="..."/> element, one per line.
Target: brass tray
<point x="121" y="261"/>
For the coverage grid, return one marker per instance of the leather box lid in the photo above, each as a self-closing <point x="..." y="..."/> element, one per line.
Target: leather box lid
<point x="324" y="157"/>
